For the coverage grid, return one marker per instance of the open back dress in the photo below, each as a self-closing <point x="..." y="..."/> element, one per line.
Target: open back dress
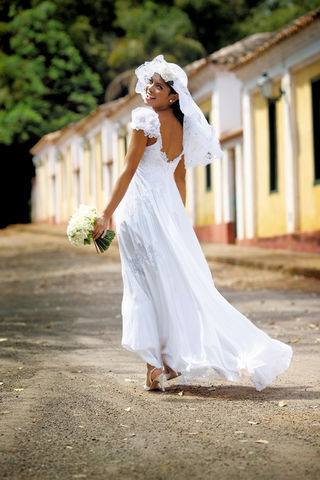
<point x="172" y="312"/>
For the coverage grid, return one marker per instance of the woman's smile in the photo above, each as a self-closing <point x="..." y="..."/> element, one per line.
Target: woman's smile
<point x="150" y="97"/>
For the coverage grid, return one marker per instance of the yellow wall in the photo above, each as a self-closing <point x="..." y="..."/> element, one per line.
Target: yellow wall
<point x="121" y="153"/>
<point x="204" y="200"/>
<point x="271" y="207"/>
<point x="309" y="193"/>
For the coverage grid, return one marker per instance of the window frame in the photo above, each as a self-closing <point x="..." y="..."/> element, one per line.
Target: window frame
<point x="315" y="128"/>
<point x="273" y="147"/>
<point x="208" y="172"/>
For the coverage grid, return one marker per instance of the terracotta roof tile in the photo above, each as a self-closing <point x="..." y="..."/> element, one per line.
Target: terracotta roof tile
<point x="231" y="54"/>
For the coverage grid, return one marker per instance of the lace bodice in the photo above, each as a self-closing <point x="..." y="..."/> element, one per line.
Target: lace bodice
<point x="200" y="144"/>
<point x="147" y="120"/>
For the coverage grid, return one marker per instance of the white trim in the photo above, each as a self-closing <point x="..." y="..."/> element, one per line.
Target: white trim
<point x="109" y="169"/>
<point x="93" y="132"/>
<point x="93" y="176"/>
<point x="290" y="153"/>
<point x="274" y="72"/>
<point x="303" y="57"/>
<point x="104" y="155"/>
<point x="239" y="191"/>
<point x="249" y="165"/>
<point x="227" y="186"/>
<point x="217" y="179"/>
<point x="215" y="112"/>
<point x="191" y="194"/>
<point x="293" y="62"/>
<point x="54" y="191"/>
<point x="74" y="186"/>
<point x="81" y="149"/>
<point x="115" y="157"/>
<point x="205" y="93"/>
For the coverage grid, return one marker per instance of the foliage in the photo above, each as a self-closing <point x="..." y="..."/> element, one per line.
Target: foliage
<point x="216" y="21"/>
<point x="150" y="29"/>
<point x="44" y="83"/>
<point x="270" y="15"/>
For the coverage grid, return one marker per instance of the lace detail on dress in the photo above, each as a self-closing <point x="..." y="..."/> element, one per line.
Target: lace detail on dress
<point x="147" y="120"/>
<point x="142" y="257"/>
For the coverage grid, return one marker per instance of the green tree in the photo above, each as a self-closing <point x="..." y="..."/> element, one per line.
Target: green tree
<point x="150" y="29"/>
<point x="44" y="82"/>
<point x="216" y="21"/>
<point x="270" y="15"/>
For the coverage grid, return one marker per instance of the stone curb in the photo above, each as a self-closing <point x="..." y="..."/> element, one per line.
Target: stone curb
<point x="285" y="268"/>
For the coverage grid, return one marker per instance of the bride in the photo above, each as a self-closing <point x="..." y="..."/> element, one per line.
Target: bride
<point x="173" y="316"/>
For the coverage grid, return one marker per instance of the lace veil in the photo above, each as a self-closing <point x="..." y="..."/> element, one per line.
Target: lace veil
<point x="200" y="143"/>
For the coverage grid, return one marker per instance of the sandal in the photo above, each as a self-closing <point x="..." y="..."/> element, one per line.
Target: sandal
<point x="171" y="374"/>
<point x="156" y="383"/>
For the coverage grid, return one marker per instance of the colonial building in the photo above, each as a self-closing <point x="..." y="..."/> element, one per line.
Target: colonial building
<point x="266" y="188"/>
<point x="281" y="139"/>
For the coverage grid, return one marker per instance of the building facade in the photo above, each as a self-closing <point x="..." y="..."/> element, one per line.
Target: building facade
<point x="281" y="139"/>
<point x="265" y="190"/>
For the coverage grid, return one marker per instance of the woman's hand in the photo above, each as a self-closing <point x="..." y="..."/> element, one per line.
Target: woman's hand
<point x="100" y="227"/>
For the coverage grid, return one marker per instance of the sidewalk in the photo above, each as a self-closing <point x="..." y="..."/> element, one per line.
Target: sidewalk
<point x="294" y="263"/>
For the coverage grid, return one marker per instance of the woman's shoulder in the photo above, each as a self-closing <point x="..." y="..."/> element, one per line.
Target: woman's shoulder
<point x="146" y="119"/>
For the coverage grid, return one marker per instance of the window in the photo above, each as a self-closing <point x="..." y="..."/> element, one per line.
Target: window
<point x="125" y="144"/>
<point x="208" y="177"/>
<point x="315" y="86"/>
<point x="273" y="164"/>
<point x="208" y="167"/>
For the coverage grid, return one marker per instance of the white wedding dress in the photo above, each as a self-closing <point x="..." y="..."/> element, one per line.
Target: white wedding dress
<point x="171" y="310"/>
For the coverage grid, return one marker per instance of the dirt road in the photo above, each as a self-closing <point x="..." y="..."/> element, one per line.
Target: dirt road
<point x="72" y="403"/>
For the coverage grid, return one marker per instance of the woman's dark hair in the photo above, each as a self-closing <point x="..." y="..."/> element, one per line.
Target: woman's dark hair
<point x="176" y="106"/>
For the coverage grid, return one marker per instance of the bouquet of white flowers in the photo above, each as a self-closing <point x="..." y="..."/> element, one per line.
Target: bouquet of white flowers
<point x="81" y="226"/>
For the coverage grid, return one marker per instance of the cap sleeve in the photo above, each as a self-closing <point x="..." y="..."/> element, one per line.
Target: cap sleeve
<point x="147" y="120"/>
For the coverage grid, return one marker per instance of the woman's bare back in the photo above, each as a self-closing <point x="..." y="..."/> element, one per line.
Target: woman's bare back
<point x="171" y="132"/>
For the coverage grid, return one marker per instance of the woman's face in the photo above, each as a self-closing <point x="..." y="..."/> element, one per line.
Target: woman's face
<point x="158" y="93"/>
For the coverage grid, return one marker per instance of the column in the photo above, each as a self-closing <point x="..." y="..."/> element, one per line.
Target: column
<point x="74" y="170"/>
<point x="217" y="180"/>
<point x="290" y="152"/>
<point x="115" y="155"/>
<point x="249" y="165"/>
<point x="82" y="167"/>
<point x="239" y="191"/>
<point x="227" y="187"/>
<point x="93" y="193"/>
<point x="105" y="156"/>
<point x="53" y="183"/>
<point x="191" y="194"/>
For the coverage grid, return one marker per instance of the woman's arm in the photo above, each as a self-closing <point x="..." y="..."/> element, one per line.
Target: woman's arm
<point x="180" y="179"/>
<point x="135" y="151"/>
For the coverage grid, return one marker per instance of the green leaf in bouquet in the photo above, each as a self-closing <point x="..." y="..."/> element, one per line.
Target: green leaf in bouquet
<point x="102" y="244"/>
